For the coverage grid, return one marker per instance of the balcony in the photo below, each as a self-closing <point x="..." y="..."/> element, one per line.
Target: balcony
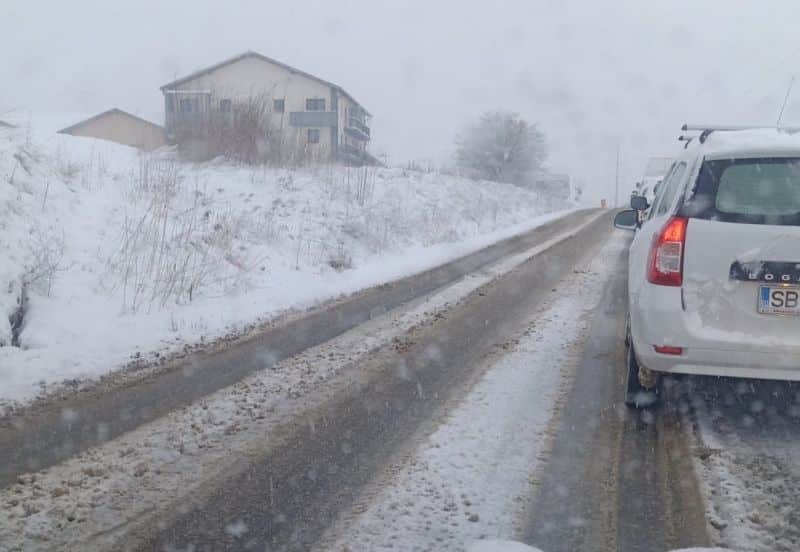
<point x="352" y="155"/>
<point x="314" y="119"/>
<point x="357" y="129"/>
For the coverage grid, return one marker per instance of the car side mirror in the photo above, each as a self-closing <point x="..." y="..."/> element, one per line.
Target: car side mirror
<point x="627" y="220"/>
<point x="639" y="203"/>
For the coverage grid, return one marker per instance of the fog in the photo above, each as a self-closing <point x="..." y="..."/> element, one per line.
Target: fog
<point x="592" y="74"/>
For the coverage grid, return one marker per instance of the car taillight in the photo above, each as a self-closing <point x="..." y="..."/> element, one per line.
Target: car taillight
<point x="665" y="264"/>
<point x="668" y="350"/>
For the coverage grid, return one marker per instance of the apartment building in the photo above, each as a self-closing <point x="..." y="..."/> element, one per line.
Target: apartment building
<point x="308" y="116"/>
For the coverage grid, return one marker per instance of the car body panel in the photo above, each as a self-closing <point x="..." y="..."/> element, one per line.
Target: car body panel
<point x="722" y="313"/>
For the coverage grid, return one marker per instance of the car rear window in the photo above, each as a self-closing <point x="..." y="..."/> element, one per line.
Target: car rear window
<point x="751" y="191"/>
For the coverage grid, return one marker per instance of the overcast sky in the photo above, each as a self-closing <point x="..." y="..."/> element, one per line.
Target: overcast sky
<point x="591" y="73"/>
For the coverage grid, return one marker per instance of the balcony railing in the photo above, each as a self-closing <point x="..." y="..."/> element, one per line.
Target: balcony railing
<point x="358" y="129"/>
<point x="353" y="155"/>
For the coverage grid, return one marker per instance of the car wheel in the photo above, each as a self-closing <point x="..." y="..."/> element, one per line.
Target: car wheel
<point x="636" y="395"/>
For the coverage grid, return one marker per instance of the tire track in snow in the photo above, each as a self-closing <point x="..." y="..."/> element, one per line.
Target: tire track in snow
<point x="471" y="477"/>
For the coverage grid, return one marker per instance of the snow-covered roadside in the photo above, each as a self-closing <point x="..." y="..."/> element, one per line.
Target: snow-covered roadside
<point x="472" y="477"/>
<point x="745" y="454"/>
<point x="82" y="500"/>
<point x="88" y="225"/>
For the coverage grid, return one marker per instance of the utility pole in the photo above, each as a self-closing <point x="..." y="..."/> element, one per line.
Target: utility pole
<point x="616" y="180"/>
<point x="785" y="101"/>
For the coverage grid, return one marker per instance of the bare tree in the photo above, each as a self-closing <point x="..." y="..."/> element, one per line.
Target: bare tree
<point x="501" y="146"/>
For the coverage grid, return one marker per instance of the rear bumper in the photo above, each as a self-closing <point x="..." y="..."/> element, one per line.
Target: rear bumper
<point x="658" y="319"/>
<point x="711" y="362"/>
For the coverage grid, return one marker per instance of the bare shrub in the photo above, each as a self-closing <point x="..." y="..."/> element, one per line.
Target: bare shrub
<point x="69" y="170"/>
<point x="173" y="250"/>
<point x="46" y="256"/>
<point x="364" y="185"/>
<point x="246" y="131"/>
<point x="341" y="259"/>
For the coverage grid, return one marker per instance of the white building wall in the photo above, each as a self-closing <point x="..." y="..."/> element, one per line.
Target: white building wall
<point x="250" y="77"/>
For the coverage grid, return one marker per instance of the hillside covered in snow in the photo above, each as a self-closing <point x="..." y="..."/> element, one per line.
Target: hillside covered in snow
<point x="109" y="255"/>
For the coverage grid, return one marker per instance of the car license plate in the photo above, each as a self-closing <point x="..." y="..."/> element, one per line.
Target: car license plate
<point x="779" y="299"/>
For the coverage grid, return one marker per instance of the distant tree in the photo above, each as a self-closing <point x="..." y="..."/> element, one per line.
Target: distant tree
<point x="501" y="146"/>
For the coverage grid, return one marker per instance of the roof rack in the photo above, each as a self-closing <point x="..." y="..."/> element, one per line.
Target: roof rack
<point x="687" y="139"/>
<point x="706" y="130"/>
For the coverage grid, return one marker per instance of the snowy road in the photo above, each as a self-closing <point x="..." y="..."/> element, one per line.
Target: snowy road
<point x="489" y="409"/>
<point x="351" y="399"/>
<point x="617" y="479"/>
<point x="473" y="476"/>
<point x="40" y="435"/>
<point x="287" y="499"/>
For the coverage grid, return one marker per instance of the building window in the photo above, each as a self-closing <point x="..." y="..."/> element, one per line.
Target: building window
<point x="225" y="106"/>
<point x="186" y="105"/>
<point x="315" y="104"/>
<point x="313" y="136"/>
<point x="278" y="106"/>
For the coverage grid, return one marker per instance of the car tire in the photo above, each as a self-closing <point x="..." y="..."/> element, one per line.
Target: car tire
<point x="636" y="395"/>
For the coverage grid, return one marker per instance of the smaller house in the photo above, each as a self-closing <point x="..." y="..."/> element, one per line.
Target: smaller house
<point x="121" y="127"/>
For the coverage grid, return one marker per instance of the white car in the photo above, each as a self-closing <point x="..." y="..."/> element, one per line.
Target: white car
<point x="714" y="268"/>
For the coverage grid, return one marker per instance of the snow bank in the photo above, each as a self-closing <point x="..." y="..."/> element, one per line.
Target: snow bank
<point x="110" y="255"/>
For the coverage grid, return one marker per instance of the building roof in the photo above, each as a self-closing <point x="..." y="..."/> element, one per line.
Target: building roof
<point x="79" y="124"/>
<point x="262" y="57"/>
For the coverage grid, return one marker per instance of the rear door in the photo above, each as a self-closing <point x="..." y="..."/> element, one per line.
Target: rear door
<point x="742" y="260"/>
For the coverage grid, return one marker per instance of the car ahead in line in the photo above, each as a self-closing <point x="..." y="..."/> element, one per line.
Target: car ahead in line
<point x="654" y="173"/>
<point x="714" y="266"/>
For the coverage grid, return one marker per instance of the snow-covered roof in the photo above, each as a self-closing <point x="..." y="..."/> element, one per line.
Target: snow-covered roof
<point x="761" y="142"/>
